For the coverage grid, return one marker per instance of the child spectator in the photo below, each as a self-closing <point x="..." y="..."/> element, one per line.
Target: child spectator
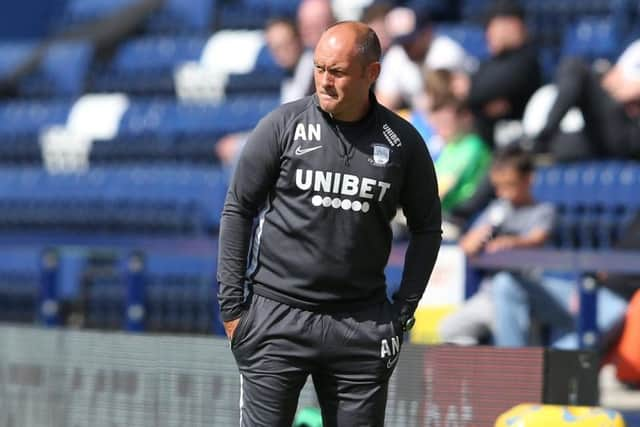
<point x="514" y="220"/>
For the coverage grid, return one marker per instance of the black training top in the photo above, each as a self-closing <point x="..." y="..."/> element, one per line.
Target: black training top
<point x="325" y="192"/>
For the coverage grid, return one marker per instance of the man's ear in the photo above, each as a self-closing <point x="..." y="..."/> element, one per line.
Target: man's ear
<point x="373" y="71"/>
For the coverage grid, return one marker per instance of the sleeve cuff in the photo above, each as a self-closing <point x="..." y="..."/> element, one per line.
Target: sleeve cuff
<point x="230" y="315"/>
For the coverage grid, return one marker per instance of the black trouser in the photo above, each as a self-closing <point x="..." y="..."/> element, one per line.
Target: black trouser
<point x="608" y="128"/>
<point x="350" y="357"/>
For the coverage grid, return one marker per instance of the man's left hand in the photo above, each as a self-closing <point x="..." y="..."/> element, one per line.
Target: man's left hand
<point x="500" y="243"/>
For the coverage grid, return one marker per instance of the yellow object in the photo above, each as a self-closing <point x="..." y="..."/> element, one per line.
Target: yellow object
<point x="425" y="331"/>
<point x="533" y="415"/>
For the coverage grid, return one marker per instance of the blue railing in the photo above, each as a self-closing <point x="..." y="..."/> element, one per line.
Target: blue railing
<point x="584" y="263"/>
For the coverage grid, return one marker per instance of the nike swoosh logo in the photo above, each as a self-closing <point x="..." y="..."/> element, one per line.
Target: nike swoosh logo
<point x="392" y="361"/>
<point x="300" y="151"/>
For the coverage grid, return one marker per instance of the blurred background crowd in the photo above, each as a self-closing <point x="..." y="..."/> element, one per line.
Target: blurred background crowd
<point x="120" y="122"/>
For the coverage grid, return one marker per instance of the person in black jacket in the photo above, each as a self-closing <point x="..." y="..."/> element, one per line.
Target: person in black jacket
<point x="500" y="88"/>
<point x="324" y="176"/>
<point x="610" y="104"/>
<point x="503" y="83"/>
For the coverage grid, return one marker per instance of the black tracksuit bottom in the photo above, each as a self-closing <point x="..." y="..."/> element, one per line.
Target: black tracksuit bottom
<point x="350" y="357"/>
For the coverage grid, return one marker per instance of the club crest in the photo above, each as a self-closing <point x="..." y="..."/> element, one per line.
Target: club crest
<point x="380" y="154"/>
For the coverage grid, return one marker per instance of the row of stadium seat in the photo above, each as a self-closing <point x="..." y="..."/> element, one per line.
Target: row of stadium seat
<point x="174" y="16"/>
<point x="595" y="201"/>
<point x="182" y="16"/>
<point x="180" y="293"/>
<point x="19" y="285"/>
<point x="141" y="130"/>
<point x="162" y="116"/>
<point x="61" y="72"/>
<point x="180" y="304"/>
<point x="138" y="200"/>
<point x="146" y="65"/>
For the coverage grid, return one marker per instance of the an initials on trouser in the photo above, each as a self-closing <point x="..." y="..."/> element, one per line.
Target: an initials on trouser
<point x="392" y="352"/>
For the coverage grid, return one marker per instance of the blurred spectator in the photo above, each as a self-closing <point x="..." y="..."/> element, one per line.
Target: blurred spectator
<point x="514" y="220"/>
<point x="414" y="47"/>
<point x="286" y="48"/>
<point x="349" y="10"/>
<point x="610" y="106"/>
<point x="375" y="16"/>
<point x="465" y="158"/>
<point x="501" y="87"/>
<point x="285" y="45"/>
<point x="554" y="302"/>
<point x="314" y="16"/>
<point x="503" y="83"/>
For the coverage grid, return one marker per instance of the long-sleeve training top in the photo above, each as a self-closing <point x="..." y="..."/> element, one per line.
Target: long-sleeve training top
<point x="324" y="193"/>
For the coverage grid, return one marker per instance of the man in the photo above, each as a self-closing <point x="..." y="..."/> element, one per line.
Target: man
<point x="313" y="17"/>
<point x="415" y="48"/>
<point x="375" y="16"/>
<point x="500" y="88"/>
<point x="503" y="84"/>
<point x="326" y="173"/>
<point x="285" y="45"/>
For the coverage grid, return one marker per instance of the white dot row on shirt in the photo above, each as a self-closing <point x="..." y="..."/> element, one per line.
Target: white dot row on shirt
<point x="337" y="203"/>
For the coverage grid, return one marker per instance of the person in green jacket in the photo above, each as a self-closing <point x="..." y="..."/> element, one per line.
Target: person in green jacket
<point x="465" y="157"/>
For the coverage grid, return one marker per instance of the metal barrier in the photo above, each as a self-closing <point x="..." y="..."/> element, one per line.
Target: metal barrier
<point x="583" y="263"/>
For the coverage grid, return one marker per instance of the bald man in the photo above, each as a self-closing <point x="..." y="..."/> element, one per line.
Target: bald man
<point x="313" y="17"/>
<point x="303" y="292"/>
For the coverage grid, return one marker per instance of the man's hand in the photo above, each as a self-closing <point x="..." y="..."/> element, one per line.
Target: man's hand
<point x="473" y="241"/>
<point x="501" y="243"/>
<point x="230" y="327"/>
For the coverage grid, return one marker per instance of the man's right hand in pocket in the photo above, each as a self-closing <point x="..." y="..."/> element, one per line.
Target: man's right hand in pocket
<point x="230" y="327"/>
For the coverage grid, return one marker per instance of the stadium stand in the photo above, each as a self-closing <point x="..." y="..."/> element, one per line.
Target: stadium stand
<point x="107" y="144"/>
<point x="19" y="285"/>
<point x="145" y="66"/>
<point x="595" y="201"/>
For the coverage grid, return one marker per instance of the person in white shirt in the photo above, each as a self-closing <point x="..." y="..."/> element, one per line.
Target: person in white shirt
<point x="415" y="48"/>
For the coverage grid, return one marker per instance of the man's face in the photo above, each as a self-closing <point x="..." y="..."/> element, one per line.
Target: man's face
<point x="511" y="185"/>
<point x="283" y="44"/>
<point x="418" y="47"/>
<point x="446" y="122"/>
<point x="314" y="16"/>
<point x="504" y="33"/>
<point x="342" y="80"/>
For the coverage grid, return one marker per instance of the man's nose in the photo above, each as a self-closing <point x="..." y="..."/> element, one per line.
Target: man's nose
<point x="327" y="80"/>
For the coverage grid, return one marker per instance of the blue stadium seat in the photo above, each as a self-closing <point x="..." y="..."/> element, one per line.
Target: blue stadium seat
<point x="105" y="303"/>
<point x="162" y="130"/>
<point x="183" y="17"/>
<point x="146" y="65"/>
<point x="592" y="38"/>
<point x="31" y="116"/>
<point x="180" y="292"/>
<point x="13" y="55"/>
<point x="84" y="11"/>
<point x="265" y="78"/>
<point x="473" y="10"/>
<point x="141" y="200"/>
<point x="19" y="284"/>
<point x="595" y="200"/>
<point x="233" y="15"/>
<point x="471" y="38"/>
<point x="21" y="123"/>
<point x="62" y="72"/>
